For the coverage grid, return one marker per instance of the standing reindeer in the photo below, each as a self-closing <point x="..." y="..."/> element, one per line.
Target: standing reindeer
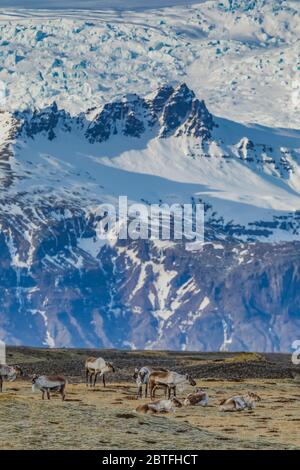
<point x="95" y="366"/>
<point x="169" y="380"/>
<point x="9" y="373"/>
<point x="141" y="376"/>
<point x="49" y="383"/>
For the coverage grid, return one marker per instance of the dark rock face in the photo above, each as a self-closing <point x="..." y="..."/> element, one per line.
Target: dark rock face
<point x="161" y="98"/>
<point x="125" y="117"/>
<point x="184" y="114"/>
<point x="60" y="286"/>
<point x="45" y="121"/>
<point x="170" y="109"/>
<point x="176" y="109"/>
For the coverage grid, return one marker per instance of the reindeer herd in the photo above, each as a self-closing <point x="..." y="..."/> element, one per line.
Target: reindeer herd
<point x="146" y="377"/>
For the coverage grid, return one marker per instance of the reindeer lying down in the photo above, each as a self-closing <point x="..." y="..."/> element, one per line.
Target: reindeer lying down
<point x="159" y="406"/>
<point x="198" y="398"/>
<point x="239" y="403"/>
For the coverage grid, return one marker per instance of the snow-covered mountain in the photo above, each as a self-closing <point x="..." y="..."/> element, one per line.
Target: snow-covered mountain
<point x="62" y="285"/>
<point x="131" y="111"/>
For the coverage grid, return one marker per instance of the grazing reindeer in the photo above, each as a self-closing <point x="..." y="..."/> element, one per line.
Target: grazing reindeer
<point x="239" y="403"/>
<point x="169" y="380"/>
<point x="49" y="383"/>
<point x="198" y="398"/>
<point x="141" y="376"/>
<point x="9" y="373"/>
<point x="160" y="406"/>
<point x="95" y="366"/>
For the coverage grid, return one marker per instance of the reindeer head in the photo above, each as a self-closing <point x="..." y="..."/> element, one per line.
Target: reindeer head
<point x="176" y="402"/>
<point x="34" y="386"/>
<point x="142" y="374"/>
<point x="190" y="380"/>
<point x="34" y="377"/>
<point x="18" y="371"/>
<point x="13" y="372"/>
<point x="253" y="396"/>
<point x="199" y="390"/>
<point x="135" y="374"/>
<point x="110" y="367"/>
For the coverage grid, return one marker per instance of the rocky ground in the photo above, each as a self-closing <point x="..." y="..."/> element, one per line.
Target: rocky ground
<point x="105" y="418"/>
<point x="218" y="365"/>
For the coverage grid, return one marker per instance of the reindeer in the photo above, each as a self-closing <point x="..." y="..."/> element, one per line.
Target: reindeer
<point x="9" y="373"/>
<point x="95" y="366"/>
<point x="198" y="398"/>
<point x="169" y="380"/>
<point x="160" y="406"/>
<point x="49" y="383"/>
<point x="141" y="376"/>
<point x="239" y="403"/>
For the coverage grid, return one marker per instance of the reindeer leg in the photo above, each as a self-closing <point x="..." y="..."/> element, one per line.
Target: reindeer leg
<point x="146" y="390"/>
<point x="62" y="392"/>
<point x="174" y="391"/>
<point x="43" y="394"/>
<point x="169" y="393"/>
<point x="95" y="378"/>
<point x="154" y="390"/>
<point x="91" y="378"/>
<point x="103" y="378"/>
<point x="151" y="390"/>
<point x="48" y="394"/>
<point x="87" y="377"/>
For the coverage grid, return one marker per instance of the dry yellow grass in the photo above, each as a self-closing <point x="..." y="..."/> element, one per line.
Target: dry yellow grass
<point x="245" y="357"/>
<point x="104" y="419"/>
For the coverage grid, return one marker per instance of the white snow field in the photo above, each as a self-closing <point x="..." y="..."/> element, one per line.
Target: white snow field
<point x="241" y="57"/>
<point x="160" y="169"/>
<point x="119" y="5"/>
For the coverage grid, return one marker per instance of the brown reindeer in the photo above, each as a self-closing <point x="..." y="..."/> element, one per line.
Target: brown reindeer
<point x="141" y="376"/>
<point x="169" y="380"/>
<point x="49" y="383"/>
<point x="198" y="398"/>
<point x="95" y="366"/>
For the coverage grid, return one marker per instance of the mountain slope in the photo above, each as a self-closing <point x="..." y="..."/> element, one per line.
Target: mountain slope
<point x="62" y="286"/>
